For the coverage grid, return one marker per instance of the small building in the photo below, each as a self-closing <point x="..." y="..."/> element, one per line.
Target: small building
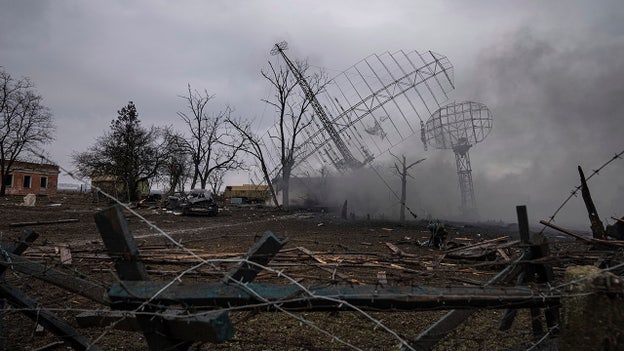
<point x="31" y="178"/>
<point x="246" y="193"/>
<point x="112" y="186"/>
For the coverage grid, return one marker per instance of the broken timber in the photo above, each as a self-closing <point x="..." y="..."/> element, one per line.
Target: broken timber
<point x="70" y="282"/>
<point x="398" y="298"/>
<point x="211" y="326"/>
<point x="437" y="331"/>
<point x="596" y="224"/>
<point x="46" y="318"/>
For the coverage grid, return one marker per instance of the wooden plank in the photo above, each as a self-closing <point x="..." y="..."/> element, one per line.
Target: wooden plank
<point x="50" y="321"/>
<point x="618" y="243"/>
<point x="617" y="219"/>
<point x="312" y="255"/>
<point x="65" y="255"/>
<point x="33" y="223"/>
<point x="208" y="326"/>
<point x="123" y="250"/>
<point x="399" y="298"/>
<point x="260" y="253"/>
<point x="482" y="244"/>
<point x="562" y="230"/>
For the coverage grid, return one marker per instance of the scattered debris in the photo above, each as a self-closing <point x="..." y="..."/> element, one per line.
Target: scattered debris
<point x="438" y="235"/>
<point x="30" y="200"/>
<point x="196" y="202"/>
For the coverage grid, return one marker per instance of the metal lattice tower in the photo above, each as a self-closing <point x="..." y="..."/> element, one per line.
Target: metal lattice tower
<point x="458" y="126"/>
<point x="464" y="173"/>
<point x="348" y="161"/>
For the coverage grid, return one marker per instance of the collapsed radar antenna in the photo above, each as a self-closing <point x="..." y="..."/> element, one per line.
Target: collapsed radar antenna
<point x="458" y="126"/>
<point x="348" y="161"/>
<point x="366" y="110"/>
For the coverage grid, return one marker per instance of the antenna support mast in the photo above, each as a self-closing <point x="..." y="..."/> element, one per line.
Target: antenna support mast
<point x="458" y="126"/>
<point x="348" y="161"/>
<point x="464" y="173"/>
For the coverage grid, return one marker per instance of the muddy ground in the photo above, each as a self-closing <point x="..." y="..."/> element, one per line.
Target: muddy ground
<point x="322" y="249"/>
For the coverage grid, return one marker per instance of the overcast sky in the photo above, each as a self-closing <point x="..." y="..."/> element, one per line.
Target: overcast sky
<point x="551" y="72"/>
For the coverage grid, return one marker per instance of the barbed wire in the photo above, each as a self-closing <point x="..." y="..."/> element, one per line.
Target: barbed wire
<point x="201" y="262"/>
<point x="575" y="191"/>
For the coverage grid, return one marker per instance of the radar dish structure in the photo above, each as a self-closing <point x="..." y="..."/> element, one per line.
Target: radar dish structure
<point x="458" y="126"/>
<point x="365" y="110"/>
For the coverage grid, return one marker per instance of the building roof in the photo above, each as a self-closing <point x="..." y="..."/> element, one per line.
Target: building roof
<point x="31" y="166"/>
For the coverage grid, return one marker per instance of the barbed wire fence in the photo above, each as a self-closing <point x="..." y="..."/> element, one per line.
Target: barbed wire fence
<point x="376" y="321"/>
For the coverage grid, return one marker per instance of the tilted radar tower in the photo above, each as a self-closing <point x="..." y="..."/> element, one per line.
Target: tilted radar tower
<point x="364" y="111"/>
<point x="348" y="160"/>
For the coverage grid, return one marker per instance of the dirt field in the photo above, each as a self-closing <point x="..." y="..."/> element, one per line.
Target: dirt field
<point x="322" y="249"/>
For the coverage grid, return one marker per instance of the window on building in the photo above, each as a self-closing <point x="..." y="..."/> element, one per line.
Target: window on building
<point x="43" y="183"/>
<point x="27" y="180"/>
<point x="8" y="180"/>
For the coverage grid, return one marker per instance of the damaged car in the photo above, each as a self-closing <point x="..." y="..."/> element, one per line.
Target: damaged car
<point x="195" y="202"/>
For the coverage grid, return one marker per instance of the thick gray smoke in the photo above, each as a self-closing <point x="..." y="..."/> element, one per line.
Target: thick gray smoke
<point x="555" y="107"/>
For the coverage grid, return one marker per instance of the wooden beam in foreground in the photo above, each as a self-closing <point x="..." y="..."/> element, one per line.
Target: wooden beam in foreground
<point x="398" y="298"/>
<point x="46" y="318"/>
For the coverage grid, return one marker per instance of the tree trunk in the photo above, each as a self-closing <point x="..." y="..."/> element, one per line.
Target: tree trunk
<point x="195" y="176"/>
<point x="4" y="170"/>
<point x="403" y="197"/>
<point x="403" y="190"/>
<point x="286" y="186"/>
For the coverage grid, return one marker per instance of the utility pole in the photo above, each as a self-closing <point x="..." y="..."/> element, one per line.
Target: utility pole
<point x="402" y="171"/>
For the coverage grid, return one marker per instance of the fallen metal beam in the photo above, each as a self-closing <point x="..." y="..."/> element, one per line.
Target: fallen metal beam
<point x="27" y="237"/>
<point x="260" y="253"/>
<point x="46" y="318"/>
<point x="70" y="282"/>
<point x="399" y="298"/>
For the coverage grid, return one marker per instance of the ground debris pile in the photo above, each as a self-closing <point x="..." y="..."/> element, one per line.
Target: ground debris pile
<point x="252" y="279"/>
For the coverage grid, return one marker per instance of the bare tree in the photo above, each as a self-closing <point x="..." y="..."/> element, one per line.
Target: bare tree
<point x="255" y="149"/>
<point x="215" y="180"/>
<point x="25" y="122"/>
<point x="176" y="171"/>
<point x="212" y="145"/>
<point x="291" y="105"/>
<point x="402" y="171"/>
<point x="130" y="152"/>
